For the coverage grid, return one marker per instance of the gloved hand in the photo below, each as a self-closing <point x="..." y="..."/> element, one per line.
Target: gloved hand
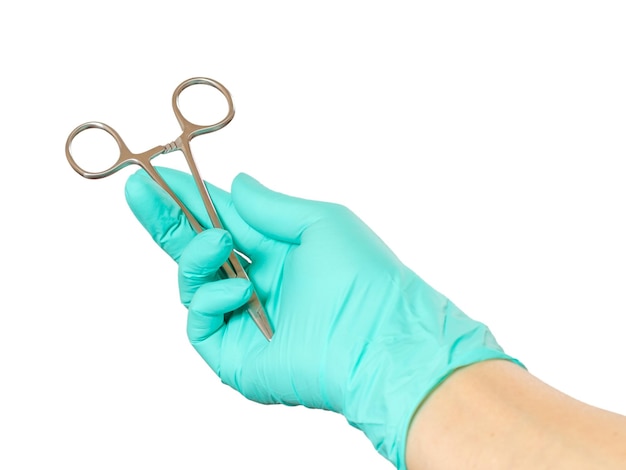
<point x="356" y="331"/>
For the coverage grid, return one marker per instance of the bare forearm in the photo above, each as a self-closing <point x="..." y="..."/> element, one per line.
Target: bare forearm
<point x="496" y="415"/>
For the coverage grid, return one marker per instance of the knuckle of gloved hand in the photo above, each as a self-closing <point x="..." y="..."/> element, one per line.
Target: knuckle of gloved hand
<point x="196" y="332"/>
<point x="203" y="255"/>
<point x="337" y="211"/>
<point x="193" y="273"/>
<point x="186" y="295"/>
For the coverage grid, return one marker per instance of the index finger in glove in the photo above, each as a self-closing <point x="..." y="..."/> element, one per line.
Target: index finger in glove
<point x="159" y="214"/>
<point x="164" y="220"/>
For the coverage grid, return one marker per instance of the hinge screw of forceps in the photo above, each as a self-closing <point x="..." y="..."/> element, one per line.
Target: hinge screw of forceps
<point x="170" y="147"/>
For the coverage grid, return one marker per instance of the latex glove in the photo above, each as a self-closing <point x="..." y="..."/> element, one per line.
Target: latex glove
<point x="356" y="331"/>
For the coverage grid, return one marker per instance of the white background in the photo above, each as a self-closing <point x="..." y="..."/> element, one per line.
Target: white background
<point x="484" y="141"/>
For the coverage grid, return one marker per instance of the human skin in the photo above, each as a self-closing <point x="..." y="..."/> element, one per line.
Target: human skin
<point x="495" y="415"/>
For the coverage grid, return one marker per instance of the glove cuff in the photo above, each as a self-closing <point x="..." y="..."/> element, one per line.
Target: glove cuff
<point x="397" y="373"/>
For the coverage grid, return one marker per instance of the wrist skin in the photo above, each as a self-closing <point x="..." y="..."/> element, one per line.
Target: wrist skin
<point x="494" y="415"/>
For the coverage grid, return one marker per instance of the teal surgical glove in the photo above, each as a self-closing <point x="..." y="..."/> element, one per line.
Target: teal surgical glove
<point x="356" y="331"/>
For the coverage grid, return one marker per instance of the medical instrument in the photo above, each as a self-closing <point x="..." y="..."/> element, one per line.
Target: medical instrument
<point x="232" y="268"/>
